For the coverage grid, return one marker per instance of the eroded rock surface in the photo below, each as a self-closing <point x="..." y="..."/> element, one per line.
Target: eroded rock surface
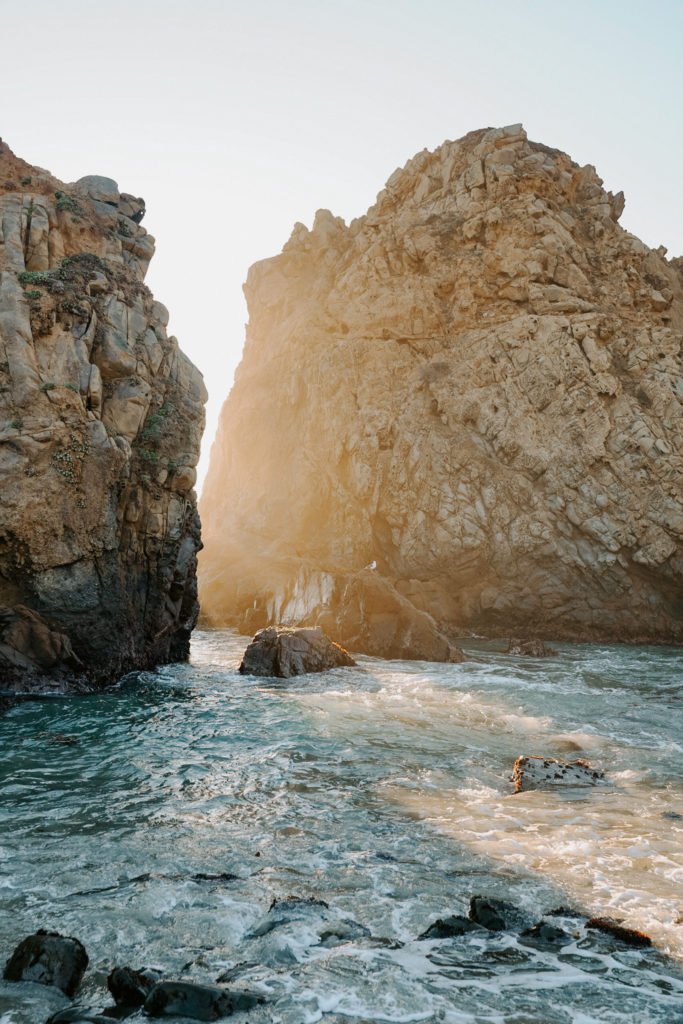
<point x="477" y="387"/>
<point x="101" y="417"/>
<point x="292" y="652"/>
<point x="531" y="772"/>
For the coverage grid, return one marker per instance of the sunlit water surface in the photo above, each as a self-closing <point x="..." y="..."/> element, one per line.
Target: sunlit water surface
<point x="384" y="791"/>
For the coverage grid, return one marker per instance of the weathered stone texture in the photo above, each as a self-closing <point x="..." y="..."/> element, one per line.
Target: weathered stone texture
<point x="478" y="386"/>
<point x="101" y="418"/>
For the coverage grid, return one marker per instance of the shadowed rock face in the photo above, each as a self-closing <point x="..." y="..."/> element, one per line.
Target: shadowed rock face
<point x="101" y="417"/>
<point x="476" y="386"/>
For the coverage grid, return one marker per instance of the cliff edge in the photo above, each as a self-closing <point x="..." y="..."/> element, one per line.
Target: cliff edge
<point x="465" y="405"/>
<point x="101" y="417"/>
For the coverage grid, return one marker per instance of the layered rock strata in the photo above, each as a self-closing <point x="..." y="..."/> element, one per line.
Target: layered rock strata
<point x="477" y="388"/>
<point x="101" y="417"/>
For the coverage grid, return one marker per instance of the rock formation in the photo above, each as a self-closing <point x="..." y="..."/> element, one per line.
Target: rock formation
<point x="101" y="417"/>
<point x="477" y="387"/>
<point x="292" y="652"/>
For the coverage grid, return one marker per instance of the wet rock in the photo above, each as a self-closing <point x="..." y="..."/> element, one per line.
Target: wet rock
<point x="345" y="930"/>
<point x="222" y="876"/>
<point x="130" y="987"/>
<point x="236" y="971"/>
<point x="563" y="911"/>
<point x="494" y="914"/>
<point x="48" y="958"/>
<point x="78" y="1015"/>
<point x="544" y="934"/>
<point x="31" y="647"/>
<point x="284" y="911"/>
<point x="448" y="928"/>
<point x="672" y="815"/>
<point x="629" y="936"/>
<point x="276" y="651"/>
<point x="530" y="649"/>
<point x="295" y="903"/>
<point x="198" y="1002"/>
<point x="531" y="772"/>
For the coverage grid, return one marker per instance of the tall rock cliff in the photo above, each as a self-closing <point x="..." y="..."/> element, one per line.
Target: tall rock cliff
<point x="477" y="387"/>
<point x="101" y="418"/>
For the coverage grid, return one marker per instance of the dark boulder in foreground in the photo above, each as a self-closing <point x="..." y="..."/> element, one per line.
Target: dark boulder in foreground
<point x="629" y="936"/>
<point x="48" y="958"/>
<point x="198" y="1002"/>
<point x="448" y="928"/>
<point x="530" y="649"/>
<point x="130" y="987"/>
<point x="531" y="772"/>
<point x="277" y="651"/>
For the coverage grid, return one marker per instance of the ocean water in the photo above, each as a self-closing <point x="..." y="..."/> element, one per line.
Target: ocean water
<point x="383" y="791"/>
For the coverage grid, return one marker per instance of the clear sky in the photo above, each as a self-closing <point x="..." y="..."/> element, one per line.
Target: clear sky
<point x="234" y="120"/>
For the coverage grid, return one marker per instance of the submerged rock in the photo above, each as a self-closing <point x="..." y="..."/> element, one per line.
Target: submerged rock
<point x="449" y="927"/>
<point x="101" y="417"/>
<point x="478" y="392"/>
<point x="531" y="772"/>
<point x="292" y="652"/>
<point x="48" y="958"/>
<point x="544" y="934"/>
<point x="198" y="1002"/>
<point x="530" y="649"/>
<point x="629" y="936"/>
<point x="78" y="1015"/>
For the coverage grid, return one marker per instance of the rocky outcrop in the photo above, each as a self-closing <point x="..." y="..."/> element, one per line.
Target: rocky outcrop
<point x="101" y="417"/>
<point x="292" y="652"/>
<point x="477" y="386"/>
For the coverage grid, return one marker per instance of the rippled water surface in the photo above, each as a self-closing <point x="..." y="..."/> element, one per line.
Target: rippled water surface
<point x="383" y="791"/>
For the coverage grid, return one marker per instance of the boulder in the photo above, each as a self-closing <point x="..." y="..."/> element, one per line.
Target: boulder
<point x="198" y="1002"/>
<point x="130" y="987"/>
<point x="494" y="914"/>
<point x="277" y="651"/>
<point x="530" y="649"/>
<point x="48" y="958"/>
<point x="629" y="936"/>
<point x="532" y="772"/>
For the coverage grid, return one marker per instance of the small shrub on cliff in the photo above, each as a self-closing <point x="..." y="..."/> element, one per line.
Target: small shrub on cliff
<point x="48" y="386"/>
<point x="68" y="203"/>
<point x="147" y="455"/>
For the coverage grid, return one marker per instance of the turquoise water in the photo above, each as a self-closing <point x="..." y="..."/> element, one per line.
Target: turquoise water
<point x="382" y="790"/>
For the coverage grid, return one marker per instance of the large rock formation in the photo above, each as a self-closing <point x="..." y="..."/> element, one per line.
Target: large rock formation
<point x="476" y="386"/>
<point x="100" y="422"/>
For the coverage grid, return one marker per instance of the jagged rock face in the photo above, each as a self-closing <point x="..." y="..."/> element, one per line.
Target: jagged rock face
<point x="477" y="386"/>
<point x="101" y="418"/>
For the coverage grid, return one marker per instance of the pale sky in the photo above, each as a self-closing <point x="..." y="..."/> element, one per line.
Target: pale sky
<point x="234" y="120"/>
